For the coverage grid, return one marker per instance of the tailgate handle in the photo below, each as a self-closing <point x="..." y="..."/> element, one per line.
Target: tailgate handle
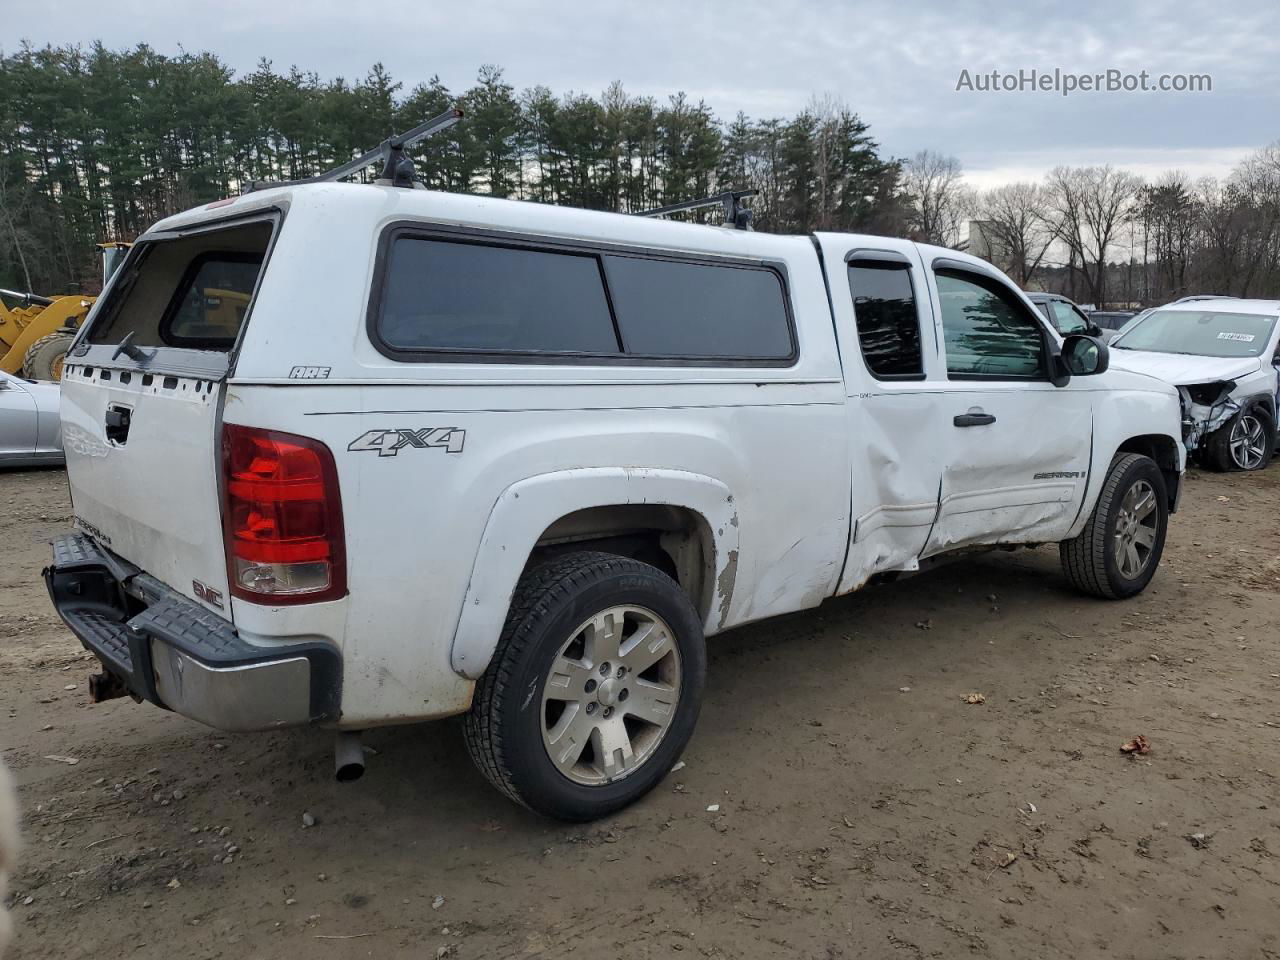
<point x="117" y="423"/>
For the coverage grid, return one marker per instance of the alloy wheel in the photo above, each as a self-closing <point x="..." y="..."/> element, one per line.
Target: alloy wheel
<point x="1135" y="535"/>
<point x="610" y="695"/>
<point x="1248" y="442"/>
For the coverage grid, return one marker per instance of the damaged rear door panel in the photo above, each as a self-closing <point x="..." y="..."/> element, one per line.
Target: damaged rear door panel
<point x="884" y="325"/>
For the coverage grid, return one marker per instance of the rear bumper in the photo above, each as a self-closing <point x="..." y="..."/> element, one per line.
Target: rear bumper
<point x="171" y="651"/>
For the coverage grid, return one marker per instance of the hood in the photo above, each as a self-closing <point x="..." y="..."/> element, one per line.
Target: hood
<point x="1182" y="369"/>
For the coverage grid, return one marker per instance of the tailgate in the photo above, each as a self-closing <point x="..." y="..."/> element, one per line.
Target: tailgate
<point x="142" y="395"/>
<point x="142" y="461"/>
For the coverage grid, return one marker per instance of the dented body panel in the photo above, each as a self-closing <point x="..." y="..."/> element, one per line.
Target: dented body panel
<point x="768" y="488"/>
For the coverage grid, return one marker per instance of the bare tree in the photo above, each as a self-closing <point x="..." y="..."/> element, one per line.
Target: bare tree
<point x="1219" y="226"/>
<point x="9" y="203"/>
<point x="826" y="111"/>
<point x="1167" y="215"/>
<point x="1254" y="191"/>
<point x="1089" y="207"/>
<point x="1018" y="233"/>
<point x="940" y="200"/>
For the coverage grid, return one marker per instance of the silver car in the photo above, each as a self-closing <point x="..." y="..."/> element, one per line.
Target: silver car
<point x="30" y="432"/>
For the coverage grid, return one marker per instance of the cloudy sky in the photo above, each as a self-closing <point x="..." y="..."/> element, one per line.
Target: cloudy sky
<point x="897" y="64"/>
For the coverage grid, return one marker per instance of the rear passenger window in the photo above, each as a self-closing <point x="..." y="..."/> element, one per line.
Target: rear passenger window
<point x="884" y="306"/>
<point x="668" y="308"/>
<point x="440" y="294"/>
<point x="989" y="335"/>
<point x="444" y="295"/>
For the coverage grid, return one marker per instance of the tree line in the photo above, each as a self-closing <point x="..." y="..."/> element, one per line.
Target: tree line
<point x="1105" y="236"/>
<point x="97" y="144"/>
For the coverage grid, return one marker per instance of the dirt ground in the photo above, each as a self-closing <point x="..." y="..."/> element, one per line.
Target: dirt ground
<point x="865" y="809"/>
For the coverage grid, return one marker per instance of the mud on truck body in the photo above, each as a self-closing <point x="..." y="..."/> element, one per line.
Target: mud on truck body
<point x="484" y="457"/>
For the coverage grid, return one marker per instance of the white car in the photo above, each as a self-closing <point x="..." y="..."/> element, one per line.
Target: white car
<point x="30" y="430"/>
<point x="1221" y="354"/>
<point x="458" y="455"/>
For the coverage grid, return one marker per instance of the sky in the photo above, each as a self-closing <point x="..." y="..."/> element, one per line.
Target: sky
<point x="897" y="64"/>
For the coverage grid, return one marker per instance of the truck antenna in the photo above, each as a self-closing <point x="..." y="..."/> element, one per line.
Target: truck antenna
<point x="397" y="166"/>
<point x="735" y="214"/>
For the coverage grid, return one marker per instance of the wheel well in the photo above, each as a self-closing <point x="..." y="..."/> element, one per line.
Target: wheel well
<point x="1164" y="451"/>
<point x="676" y="540"/>
<point x="1266" y="402"/>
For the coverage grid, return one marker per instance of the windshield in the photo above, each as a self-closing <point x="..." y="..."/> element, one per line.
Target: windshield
<point x="1202" y="334"/>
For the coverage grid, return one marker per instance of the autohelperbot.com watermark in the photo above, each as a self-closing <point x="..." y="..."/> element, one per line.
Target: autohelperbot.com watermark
<point x="1065" y="83"/>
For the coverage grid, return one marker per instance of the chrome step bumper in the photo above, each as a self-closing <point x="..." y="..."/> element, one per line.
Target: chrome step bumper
<point x="167" y="649"/>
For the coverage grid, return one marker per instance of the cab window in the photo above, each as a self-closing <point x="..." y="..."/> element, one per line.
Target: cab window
<point x="884" y="307"/>
<point x="211" y="305"/>
<point x="987" y="331"/>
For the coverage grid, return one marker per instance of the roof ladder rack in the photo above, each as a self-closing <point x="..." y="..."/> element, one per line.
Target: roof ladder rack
<point x="735" y="214"/>
<point x="397" y="166"/>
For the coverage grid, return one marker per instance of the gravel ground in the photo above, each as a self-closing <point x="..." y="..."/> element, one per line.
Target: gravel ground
<point x="865" y="809"/>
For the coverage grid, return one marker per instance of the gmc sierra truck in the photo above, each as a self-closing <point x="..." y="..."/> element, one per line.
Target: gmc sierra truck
<point x="350" y="455"/>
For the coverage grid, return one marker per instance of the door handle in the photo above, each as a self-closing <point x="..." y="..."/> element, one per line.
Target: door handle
<point x="973" y="419"/>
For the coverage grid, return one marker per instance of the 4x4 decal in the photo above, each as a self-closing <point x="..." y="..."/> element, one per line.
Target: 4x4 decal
<point x="388" y="443"/>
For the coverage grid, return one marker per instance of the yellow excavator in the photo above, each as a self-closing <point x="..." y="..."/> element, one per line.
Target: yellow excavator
<point x="36" y="331"/>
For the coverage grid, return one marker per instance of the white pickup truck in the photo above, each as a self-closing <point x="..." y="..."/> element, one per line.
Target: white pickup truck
<point x="351" y="455"/>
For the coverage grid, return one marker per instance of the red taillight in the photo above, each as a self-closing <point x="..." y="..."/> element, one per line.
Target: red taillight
<point x="282" y="517"/>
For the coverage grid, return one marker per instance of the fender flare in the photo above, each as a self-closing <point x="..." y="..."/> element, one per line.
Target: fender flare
<point x="528" y="507"/>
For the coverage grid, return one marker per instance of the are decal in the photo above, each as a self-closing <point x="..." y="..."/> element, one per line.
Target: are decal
<point x="309" y="373"/>
<point x="1240" y="337"/>
<point x="389" y="442"/>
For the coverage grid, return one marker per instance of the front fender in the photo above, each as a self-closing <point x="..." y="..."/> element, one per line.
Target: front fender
<point x="528" y="507"/>
<point x="1120" y="416"/>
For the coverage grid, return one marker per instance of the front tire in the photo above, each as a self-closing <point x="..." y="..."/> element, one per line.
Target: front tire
<point x="594" y="688"/>
<point x="1245" y="442"/>
<point x="1117" y="553"/>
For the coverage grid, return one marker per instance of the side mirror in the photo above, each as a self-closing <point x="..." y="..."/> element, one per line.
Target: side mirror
<point x="1094" y="330"/>
<point x="1085" y="356"/>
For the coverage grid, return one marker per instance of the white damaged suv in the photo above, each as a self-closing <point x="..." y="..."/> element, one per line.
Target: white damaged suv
<point x="352" y="455"/>
<point x="1221" y="354"/>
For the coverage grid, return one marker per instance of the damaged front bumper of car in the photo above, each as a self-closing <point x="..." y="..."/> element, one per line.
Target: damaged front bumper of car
<point x="1205" y="408"/>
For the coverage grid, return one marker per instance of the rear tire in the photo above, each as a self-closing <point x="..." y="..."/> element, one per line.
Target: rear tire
<point x="1117" y="553"/>
<point x="580" y="713"/>
<point x="44" y="358"/>
<point x="1245" y="442"/>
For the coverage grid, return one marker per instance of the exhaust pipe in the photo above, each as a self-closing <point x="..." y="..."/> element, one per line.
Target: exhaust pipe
<point x="348" y="757"/>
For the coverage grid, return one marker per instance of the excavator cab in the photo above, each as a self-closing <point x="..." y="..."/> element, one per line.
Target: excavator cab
<point x="113" y="255"/>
